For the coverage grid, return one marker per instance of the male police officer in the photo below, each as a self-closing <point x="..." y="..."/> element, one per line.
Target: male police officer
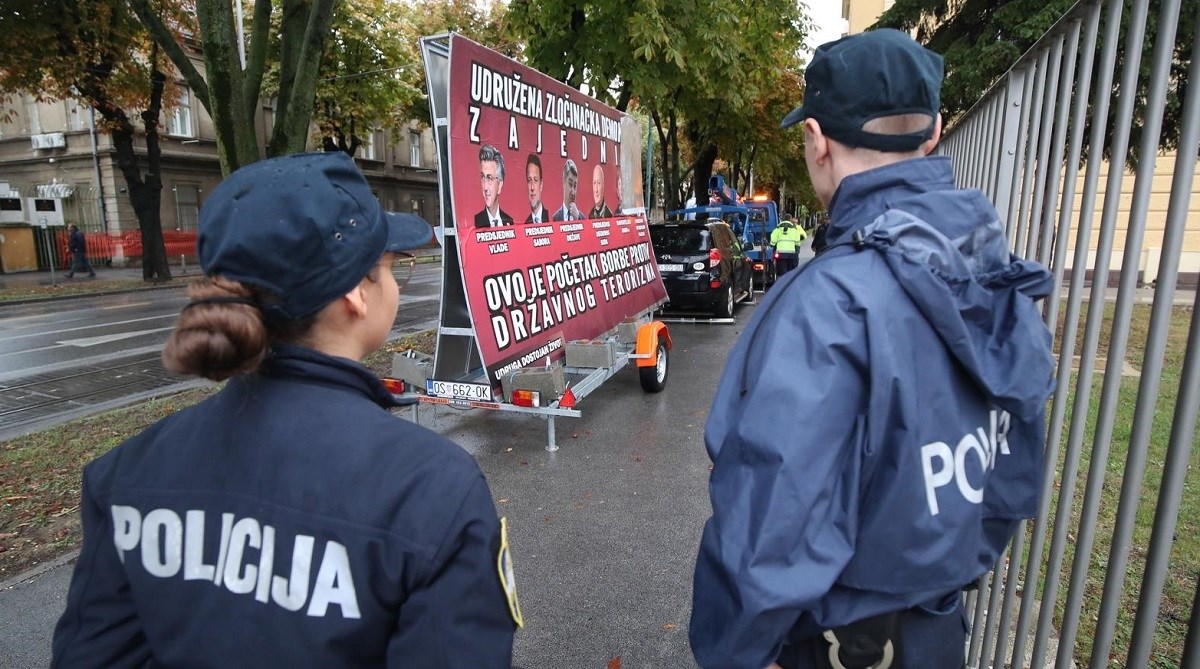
<point x="843" y="535"/>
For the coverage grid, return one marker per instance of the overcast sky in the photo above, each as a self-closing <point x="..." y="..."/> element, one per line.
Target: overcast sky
<point x="827" y="15"/>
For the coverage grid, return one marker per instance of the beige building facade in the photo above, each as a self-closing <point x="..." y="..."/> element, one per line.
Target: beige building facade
<point x="56" y="168"/>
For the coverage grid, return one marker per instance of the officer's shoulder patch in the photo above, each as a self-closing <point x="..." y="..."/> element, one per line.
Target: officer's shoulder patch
<point x="508" y="579"/>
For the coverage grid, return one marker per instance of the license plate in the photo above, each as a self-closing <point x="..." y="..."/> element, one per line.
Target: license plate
<point x="464" y="391"/>
<point x="670" y="268"/>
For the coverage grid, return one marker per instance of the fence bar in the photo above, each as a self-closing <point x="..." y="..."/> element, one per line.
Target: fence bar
<point x="1039" y="90"/>
<point x="993" y="611"/>
<point x="1011" y="111"/>
<point x="1029" y="75"/>
<point x="1010" y="592"/>
<point x="1070" y="179"/>
<point x="1054" y="167"/>
<point x="1044" y="168"/>
<point x="1191" y="645"/>
<point x="980" y="599"/>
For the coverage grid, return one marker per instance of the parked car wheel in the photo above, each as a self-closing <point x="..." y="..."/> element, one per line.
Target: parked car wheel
<point x="654" y="379"/>
<point x="725" y="305"/>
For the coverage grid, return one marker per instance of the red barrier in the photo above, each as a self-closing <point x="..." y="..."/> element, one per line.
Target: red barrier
<point x="103" y="247"/>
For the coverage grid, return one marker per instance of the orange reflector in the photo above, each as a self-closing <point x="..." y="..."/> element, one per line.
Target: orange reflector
<point x="567" y="401"/>
<point x="394" y="386"/>
<point x="526" y="398"/>
<point x="758" y="267"/>
<point x="714" y="284"/>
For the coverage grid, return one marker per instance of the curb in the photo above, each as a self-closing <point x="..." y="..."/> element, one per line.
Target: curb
<point x="76" y="296"/>
<point x="37" y="571"/>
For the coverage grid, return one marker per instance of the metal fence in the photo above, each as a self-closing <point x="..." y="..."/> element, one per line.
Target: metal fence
<point x="1106" y="574"/>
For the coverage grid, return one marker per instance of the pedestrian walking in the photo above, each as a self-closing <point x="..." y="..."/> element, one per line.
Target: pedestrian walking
<point x="843" y="535"/>
<point x="77" y="246"/>
<point x="786" y="238"/>
<point x="290" y="520"/>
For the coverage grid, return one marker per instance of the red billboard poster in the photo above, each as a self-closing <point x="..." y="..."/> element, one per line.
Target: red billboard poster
<point x="546" y="198"/>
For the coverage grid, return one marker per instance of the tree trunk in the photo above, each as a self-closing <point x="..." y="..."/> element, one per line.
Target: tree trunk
<point x="705" y="158"/>
<point x="155" y="265"/>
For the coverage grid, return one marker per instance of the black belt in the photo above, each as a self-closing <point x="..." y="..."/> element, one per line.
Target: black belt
<point x="873" y="643"/>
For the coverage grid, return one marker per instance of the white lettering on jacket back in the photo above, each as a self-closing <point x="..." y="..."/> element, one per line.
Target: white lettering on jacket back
<point x="943" y="465"/>
<point x="172" y="547"/>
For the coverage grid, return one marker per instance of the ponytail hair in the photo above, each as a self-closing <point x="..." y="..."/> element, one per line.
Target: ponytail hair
<point x="222" y="332"/>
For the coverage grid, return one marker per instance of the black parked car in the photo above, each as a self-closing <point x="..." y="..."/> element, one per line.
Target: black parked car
<point x="702" y="265"/>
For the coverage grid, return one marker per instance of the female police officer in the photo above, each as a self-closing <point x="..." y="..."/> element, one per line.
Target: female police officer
<point x="290" y="520"/>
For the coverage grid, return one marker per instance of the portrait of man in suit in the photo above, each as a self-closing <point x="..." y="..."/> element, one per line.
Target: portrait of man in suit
<point x="491" y="179"/>
<point x="569" y="211"/>
<point x="600" y="208"/>
<point x="533" y="186"/>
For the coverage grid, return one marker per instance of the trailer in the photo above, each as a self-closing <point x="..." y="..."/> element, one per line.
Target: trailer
<point x="536" y="310"/>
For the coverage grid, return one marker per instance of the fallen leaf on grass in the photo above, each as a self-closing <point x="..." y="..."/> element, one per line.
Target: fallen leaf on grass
<point x="502" y="500"/>
<point x="669" y="626"/>
<point x="615" y="663"/>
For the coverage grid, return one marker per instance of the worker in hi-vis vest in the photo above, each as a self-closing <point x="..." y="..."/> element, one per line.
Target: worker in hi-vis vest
<point x="786" y="239"/>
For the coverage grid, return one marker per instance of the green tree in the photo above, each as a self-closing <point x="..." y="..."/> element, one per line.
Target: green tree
<point x="981" y="39"/>
<point x="366" y="80"/>
<point x="231" y="95"/>
<point x="93" y="50"/>
<point x="697" y="68"/>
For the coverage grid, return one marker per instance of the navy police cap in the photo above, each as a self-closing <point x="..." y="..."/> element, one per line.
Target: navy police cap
<point x="305" y="227"/>
<point x="862" y="77"/>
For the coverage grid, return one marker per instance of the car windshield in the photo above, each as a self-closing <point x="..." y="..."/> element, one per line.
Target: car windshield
<point x="678" y="239"/>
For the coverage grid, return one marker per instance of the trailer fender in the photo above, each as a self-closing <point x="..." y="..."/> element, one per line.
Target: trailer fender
<point x="647" y="342"/>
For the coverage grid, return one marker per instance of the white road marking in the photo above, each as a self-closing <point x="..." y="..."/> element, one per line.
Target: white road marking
<point x="104" y="339"/>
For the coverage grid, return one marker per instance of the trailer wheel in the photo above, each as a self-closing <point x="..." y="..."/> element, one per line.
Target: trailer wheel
<point x="654" y="379"/>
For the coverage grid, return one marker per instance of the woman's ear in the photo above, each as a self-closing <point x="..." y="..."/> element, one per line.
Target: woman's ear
<point x="356" y="301"/>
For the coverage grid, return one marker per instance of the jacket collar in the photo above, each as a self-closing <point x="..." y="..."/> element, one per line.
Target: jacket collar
<point x="305" y="364"/>
<point x="862" y="197"/>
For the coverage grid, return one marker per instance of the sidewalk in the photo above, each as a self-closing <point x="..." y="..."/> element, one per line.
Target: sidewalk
<point x="105" y="276"/>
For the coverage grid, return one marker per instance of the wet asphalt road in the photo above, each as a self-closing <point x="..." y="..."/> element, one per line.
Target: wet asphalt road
<point x="71" y="358"/>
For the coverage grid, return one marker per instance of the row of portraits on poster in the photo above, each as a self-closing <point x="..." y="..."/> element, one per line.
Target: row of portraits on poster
<point x="496" y="170"/>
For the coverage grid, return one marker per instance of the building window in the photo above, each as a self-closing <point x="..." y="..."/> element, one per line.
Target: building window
<point x="77" y="115"/>
<point x="187" y="206"/>
<point x="32" y="116"/>
<point x="368" y="146"/>
<point x="414" y="149"/>
<point x="179" y="122"/>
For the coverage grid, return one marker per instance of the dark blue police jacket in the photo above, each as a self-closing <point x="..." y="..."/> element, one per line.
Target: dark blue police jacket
<point x="878" y="430"/>
<point x="287" y="521"/>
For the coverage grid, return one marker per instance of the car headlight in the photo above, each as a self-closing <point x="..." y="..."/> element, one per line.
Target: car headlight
<point x="698" y="266"/>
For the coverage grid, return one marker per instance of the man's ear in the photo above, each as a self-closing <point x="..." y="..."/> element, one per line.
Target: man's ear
<point x="815" y="139"/>
<point x="930" y="144"/>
